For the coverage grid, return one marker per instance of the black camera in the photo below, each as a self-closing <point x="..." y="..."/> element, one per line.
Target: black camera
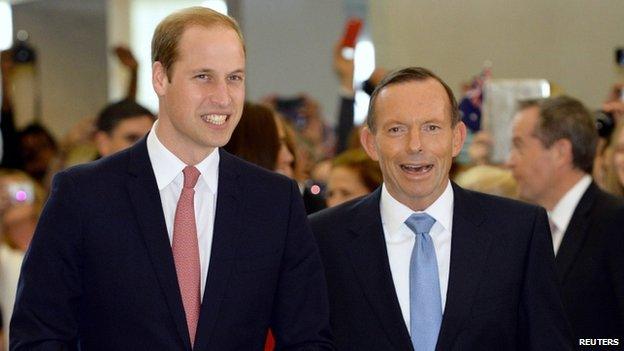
<point x="22" y="51"/>
<point x="605" y="123"/>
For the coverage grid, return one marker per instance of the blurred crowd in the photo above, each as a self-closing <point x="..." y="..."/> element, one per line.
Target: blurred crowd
<point x="287" y="135"/>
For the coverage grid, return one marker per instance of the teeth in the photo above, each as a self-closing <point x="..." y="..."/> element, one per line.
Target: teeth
<point x="420" y="169"/>
<point x="214" y="119"/>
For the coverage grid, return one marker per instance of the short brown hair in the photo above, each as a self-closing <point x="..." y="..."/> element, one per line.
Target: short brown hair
<point x="564" y="117"/>
<point x="169" y="31"/>
<point x="405" y="75"/>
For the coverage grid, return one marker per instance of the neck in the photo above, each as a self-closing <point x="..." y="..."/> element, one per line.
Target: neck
<point x="564" y="183"/>
<point x="185" y="150"/>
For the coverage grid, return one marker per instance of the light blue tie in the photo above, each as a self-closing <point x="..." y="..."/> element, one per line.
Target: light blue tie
<point x="425" y="304"/>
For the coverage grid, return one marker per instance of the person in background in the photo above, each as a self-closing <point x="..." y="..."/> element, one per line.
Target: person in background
<point x="343" y="68"/>
<point x="38" y="149"/>
<point x="489" y="179"/>
<point x="614" y="183"/>
<point x="257" y="139"/>
<point x="120" y="125"/>
<point x="21" y="200"/>
<point x="353" y="174"/>
<point x="552" y="155"/>
<point x="11" y="157"/>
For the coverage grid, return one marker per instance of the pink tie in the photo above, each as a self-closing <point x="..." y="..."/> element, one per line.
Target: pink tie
<point x="186" y="250"/>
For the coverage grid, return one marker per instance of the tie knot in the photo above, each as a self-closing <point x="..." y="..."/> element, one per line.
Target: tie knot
<point x="420" y="223"/>
<point x="191" y="174"/>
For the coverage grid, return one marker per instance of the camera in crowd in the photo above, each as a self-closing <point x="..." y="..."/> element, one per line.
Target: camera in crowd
<point x="605" y="123"/>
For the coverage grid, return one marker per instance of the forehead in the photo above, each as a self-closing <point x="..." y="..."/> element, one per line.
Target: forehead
<point x="414" y="97"/>
<point x="211" y="42"/>
<point x="525" y="120"/>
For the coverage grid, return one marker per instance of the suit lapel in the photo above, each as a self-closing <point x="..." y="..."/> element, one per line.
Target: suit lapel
<point x="469" y="247"/>
<point x="146" y="201"/>
<point x="368" y="254"/>
<point x="226" y="235"/>
<point x="575" y="233"/>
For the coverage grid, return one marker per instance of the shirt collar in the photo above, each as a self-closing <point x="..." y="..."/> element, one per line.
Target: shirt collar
<point x="563" y="211"/>
<point x="168" y="166"/>
<point x="394" y="213"/>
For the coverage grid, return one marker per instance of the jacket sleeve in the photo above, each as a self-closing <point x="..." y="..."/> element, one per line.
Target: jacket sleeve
<point x="301" y="311"/>
<point x="47" y="306"/>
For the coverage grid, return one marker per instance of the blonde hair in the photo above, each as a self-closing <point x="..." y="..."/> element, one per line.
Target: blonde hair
<point x="169" y="32"/>
<point x="612" y="181"/>
<point x="490" y="180"/>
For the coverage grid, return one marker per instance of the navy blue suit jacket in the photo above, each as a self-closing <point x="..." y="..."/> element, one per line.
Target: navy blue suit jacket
<point x="502" y="288"/>
<point x="100" y="275"/>
<point x="590" y="266"/>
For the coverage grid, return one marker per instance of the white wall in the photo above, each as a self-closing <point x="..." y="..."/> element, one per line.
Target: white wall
<point x="569" y="42"/>
<point x="70" y="39"/>
<point x="289" y="48"/>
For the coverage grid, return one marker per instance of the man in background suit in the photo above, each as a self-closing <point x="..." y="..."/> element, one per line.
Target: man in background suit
<point x="421" y="264"/>
<point x="175" y="244"/>
<point x="554" y="143"/>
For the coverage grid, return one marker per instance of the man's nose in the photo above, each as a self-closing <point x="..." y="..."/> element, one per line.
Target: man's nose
<point x="220" y="95"/>
<point x="414" y="143"/>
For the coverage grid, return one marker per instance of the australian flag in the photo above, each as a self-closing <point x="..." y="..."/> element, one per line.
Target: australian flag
<point x="470" y="104"/>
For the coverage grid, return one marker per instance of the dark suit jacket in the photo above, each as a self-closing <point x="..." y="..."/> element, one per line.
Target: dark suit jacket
<point x="502" y="292"/>
<point x="100" y="275"/>
<point x="590" y="265"/>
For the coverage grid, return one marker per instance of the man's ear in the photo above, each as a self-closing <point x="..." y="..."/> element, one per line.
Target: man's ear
<point x="367" y="139"/>
<point x="563" y="151"/>
<point x="459" y="136"/>
<point x="102" y="143"/>
<point x="160" y="81"/>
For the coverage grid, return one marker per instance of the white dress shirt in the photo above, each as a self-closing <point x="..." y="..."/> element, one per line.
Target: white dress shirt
<point x="170" y="179"/>
<point x="562" y="213"/>
<point x="10" y="264"/>
<point x="400" y="242"/>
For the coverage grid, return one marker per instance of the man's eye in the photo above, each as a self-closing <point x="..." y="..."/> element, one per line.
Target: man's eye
<point x="236" y="78"/>
<point x="432" y="128"/>
<point x="394" y="129"/>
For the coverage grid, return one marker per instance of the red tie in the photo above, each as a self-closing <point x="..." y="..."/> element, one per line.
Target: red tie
<point x="186" y="250"/>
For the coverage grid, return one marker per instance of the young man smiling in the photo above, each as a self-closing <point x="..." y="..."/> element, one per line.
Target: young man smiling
<point x="174" y="244"/>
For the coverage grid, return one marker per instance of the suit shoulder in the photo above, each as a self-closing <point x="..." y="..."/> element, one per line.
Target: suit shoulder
<point x="334" y="220"/>
<point x="102" y="168"/>
<point x="502" y="206"/>
<point x="608" y="201"/>
<point x="498" y="201"/>
<point x="256" y="174"/>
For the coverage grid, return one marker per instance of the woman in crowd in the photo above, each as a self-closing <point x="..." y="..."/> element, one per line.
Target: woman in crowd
<point x="258" y="139"/>
<point x="353" y="174"/>
<point x="21" y="200"/>
<point x="615" y="169"/>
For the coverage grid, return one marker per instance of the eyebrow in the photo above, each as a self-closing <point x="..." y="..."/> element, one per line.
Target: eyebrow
<point x="212" y="71"/>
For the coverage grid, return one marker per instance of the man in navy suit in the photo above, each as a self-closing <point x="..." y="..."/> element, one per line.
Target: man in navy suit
<point x="421" y="264"/>
<point x="175" y="244"/>
<point x="554" y="144"/>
